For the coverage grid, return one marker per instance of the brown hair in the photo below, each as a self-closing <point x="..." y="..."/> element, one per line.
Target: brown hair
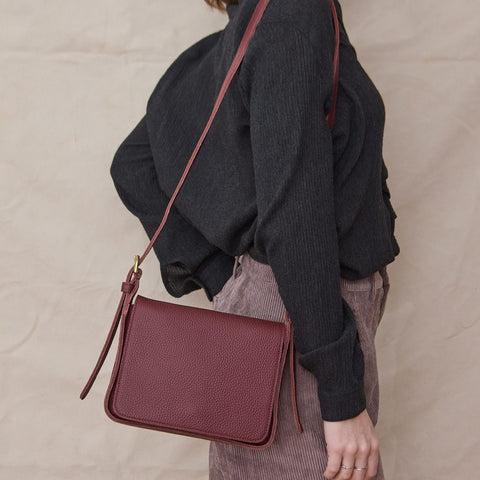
<point x="220" y="4"/>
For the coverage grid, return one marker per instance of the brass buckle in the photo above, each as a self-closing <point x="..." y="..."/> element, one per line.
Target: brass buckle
<point x="135" y="267"/>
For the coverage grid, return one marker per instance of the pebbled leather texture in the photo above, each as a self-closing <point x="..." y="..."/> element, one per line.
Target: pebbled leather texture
<point x="197" y="371"/>
<point x="193" y="371"/>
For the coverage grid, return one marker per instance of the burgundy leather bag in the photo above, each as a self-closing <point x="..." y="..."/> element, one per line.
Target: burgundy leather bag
<point x="194" y="371"/>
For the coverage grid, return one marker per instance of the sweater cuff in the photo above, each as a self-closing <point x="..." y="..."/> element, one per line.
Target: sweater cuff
<point x="342" y="406"/>
<point x="339" y="370"/>
<point x="213" y="272"/>
<point x="211" y="275"/>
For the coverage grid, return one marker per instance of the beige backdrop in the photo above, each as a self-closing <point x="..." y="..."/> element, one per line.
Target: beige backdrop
<point x="75" y="78"/>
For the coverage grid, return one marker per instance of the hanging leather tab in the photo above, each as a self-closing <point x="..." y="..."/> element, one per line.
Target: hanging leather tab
<point x="291" y="346"/>
<point x="129" y="289"/>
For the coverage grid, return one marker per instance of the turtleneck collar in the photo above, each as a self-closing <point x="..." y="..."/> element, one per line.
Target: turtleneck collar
<point x="232" y="9"/>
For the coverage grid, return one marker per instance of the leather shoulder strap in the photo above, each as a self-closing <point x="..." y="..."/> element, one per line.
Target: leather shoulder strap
<point x="336" y="66"/>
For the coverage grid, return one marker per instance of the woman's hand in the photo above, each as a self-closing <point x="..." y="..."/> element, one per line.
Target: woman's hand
<point x="351" y="442"/>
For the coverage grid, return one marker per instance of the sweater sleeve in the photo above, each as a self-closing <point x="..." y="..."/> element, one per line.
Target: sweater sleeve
<point x="188" y="261"/>
<point x="287" y="87"/>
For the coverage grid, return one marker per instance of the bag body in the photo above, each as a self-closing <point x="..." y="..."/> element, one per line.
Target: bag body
<point x="198" y="372"/>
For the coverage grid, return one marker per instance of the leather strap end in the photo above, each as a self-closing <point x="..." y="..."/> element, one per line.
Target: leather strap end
<point x="105" y="349"/>
<point x="129" y="289"/>
<point x="292" y="374"/>
<point x="292" y="377"/>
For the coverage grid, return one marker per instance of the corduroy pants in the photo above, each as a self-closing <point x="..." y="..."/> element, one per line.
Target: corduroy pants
<point x="252" y="291"/>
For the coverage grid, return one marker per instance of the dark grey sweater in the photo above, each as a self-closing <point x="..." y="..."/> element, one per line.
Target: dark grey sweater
<point x="270" y="178"/>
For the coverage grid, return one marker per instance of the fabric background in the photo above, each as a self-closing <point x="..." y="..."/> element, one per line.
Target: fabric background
<point x="75" y="78"/>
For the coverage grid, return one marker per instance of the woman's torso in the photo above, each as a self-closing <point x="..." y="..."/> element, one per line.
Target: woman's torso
<point x="218" y="196"/>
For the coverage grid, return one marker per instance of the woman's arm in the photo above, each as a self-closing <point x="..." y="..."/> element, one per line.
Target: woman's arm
<point x="187" y="260"/>
<point x="287" y="86"/>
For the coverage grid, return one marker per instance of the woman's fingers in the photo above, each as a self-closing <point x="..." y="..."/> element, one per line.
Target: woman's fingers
<point x="348" y="460"/>
<point x="361" y="460"/>
<point x="373" y="459"/>
<point x="333" y="465"/>
<point x="364" y="457"/>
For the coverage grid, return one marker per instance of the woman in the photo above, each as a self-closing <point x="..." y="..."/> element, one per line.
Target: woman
<point x="306" y="209"/>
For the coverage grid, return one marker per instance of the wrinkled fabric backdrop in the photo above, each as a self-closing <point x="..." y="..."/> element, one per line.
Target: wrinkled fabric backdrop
<point x="75" y="78"/>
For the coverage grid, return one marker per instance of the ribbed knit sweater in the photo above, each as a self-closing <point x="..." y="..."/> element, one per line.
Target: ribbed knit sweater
<point x="270" y="178"/>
